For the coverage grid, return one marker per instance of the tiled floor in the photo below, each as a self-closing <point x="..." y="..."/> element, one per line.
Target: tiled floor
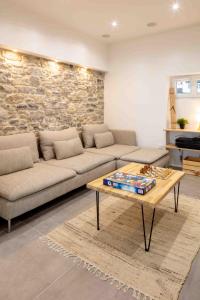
<point x="29" y="270"/>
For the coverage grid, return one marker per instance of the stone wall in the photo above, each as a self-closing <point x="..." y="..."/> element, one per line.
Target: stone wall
<point x="38" y="94"/>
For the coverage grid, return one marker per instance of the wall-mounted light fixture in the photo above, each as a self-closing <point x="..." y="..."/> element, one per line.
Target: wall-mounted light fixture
<point x="12" y="57"/>
<point x="54" y="66"/>
<point x="83" y="71"/>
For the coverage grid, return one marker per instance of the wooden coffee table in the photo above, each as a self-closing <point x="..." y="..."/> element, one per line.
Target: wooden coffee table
<point x="152" y="198"/>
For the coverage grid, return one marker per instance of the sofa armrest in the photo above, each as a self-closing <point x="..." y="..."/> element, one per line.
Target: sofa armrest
<point x="124" y="137"/>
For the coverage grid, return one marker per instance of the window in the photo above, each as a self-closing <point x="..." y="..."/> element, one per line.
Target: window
<point x="184" y="87"/>
<point x="198" y="86"/>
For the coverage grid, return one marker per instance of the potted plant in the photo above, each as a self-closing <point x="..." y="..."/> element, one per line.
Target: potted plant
<point x="182" y="122"/>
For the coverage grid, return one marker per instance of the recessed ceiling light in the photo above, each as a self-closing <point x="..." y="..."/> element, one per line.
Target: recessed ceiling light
<point x="114" y="24"/>
<point x="106" y="36"/>
<point x="175" y="6"/>
<point x="151" y="24"/>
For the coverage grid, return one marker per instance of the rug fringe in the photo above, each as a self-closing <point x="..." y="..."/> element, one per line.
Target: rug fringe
<point x="94" y="270"/>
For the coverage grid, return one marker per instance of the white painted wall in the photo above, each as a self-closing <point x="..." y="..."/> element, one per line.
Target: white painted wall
<point x="136" y="87"/>
<point x="30" y="33"/>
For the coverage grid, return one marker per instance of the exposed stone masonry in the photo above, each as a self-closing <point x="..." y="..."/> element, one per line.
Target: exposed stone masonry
<point x="38" y="94"/>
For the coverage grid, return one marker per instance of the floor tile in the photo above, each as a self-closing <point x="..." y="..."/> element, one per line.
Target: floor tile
<point x="30" y="271"/>
<point x="191" y="288"/>
<point x="80" y="284"/>
<point x="21" y="235"/>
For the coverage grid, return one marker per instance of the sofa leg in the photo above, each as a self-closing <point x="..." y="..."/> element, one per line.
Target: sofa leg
<point x="9" y="225"/>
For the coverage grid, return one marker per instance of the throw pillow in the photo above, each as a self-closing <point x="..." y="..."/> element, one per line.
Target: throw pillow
<point x="47" y="138"/>
<point x="65" y="149"/>
<point x="89" y="132"/>
<point x="21" y="140"/>
<point x="104" y="139"/>
<point x="16" y="159"/>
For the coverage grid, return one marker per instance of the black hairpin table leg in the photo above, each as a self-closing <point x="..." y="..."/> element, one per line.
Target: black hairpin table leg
<point x="97" y="206"/>
<point x="147" y="244"/>
<point x="176" y="196"/>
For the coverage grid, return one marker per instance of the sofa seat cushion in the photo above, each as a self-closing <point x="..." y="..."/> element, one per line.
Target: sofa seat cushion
<point x="23" y="183"/>
<point x="145" y="155"/>
<point x="81" y="163"/>
<point x="115" y="150"/>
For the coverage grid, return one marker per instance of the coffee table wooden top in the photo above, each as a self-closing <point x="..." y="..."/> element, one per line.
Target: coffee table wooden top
<point x="152" y="198"/>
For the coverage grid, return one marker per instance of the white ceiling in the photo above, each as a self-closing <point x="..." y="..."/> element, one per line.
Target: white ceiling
<point x="94" y="17"/>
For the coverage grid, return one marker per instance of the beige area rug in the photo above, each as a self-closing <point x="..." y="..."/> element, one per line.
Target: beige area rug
<point x="116" y="252"/>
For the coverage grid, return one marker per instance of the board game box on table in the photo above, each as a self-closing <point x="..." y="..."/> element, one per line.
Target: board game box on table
<point x="131" y="183"/>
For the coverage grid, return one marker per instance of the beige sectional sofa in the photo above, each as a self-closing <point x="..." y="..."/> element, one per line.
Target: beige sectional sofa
<point x="27" y="181"/>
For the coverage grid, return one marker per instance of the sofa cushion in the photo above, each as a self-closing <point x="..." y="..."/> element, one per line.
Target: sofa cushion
<point x="47" y="138"/>
<point x="104" y="139"/>
<point x="146" y="155"/>
<point x="23" y="183"/>
<point x="65" y="149"/>
<point x="124" y="137"/>
<point x="16" y="159"/>
<point x="89" y="132"/>
<point x="115" y="150"/>
<point x="81" y="163"/>
<point x="20" y="140"/>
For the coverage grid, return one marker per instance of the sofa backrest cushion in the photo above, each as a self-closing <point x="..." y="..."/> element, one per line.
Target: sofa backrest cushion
<point x="104" y="139"/>
<point x="65" y="149"/>
<point x="47" y="138"/>
<point x="21" y="140"/>
<point x="89" y="132"/>
<point x="16" y="159"/>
